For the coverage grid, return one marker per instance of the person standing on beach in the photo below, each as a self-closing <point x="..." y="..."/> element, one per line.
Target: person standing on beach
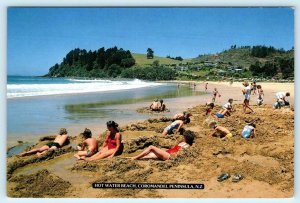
<point x="112" y="145"/>
<point x="254" y="86"/>
<point x="58" y="142"/>
<point x="260" y="93"/>
<point x="206" y="86"/>
<point x="247" y="93"/>
<point x="215" y="93"/>
<point x="89" y="147"/>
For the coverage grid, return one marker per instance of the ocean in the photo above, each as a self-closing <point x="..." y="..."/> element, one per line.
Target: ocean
<point x="38" y="106"/>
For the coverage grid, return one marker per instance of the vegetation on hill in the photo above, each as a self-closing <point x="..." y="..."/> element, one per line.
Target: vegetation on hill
<point x="237" y="62"/>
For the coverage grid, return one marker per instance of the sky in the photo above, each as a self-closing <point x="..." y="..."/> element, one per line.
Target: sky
<point x="37" y="38"/>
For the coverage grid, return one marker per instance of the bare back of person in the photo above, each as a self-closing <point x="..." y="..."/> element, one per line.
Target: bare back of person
<point x="61" y="139"/>
<point x="92" y="144"/>
<point x="222" y="130"/>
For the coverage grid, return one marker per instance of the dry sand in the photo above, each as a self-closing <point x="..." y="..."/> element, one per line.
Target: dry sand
<point x="266" y="162"/>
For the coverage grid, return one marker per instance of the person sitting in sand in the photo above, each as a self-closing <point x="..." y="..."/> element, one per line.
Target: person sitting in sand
<point x="249" y="131"/>
<point x="181" y="116"/>
<point x="162" y="105"/>
<point x="247" y="93"/>
<point x="228" y="105"/>
<point x="215" y="93"/>
<point x="175" y="125"/>
<point x="260" y="98"/>
<point x="58" y="142"/>
<point x="155" y="106"/>
<point x="153" y="152"/>
<point x="209" y="107"/>
<point x="112" y="145"/>
<point x="219" y="131"/>
<point x="89" y="147"/>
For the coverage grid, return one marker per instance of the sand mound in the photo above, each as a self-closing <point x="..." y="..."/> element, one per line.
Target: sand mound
<point x="40" y="184"/>
<point x="148" y="110"/>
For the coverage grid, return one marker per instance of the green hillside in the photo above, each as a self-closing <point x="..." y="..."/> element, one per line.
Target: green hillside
<point x="240" y="57"/>
<point x="141" y="59"/>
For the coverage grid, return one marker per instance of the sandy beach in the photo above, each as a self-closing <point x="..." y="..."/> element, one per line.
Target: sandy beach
<point x="266" y="162"/>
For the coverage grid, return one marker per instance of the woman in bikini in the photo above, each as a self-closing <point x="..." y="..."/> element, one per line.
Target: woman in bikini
<point x="112" y="145"/>
<point x="153" y="152"/>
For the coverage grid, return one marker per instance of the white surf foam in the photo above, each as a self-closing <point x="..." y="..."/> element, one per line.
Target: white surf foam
<point x="76" y="86"/>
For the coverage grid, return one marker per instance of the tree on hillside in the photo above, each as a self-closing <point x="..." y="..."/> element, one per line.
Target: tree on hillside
<point x="155" y="63"/>
<point x="150" y="53"/>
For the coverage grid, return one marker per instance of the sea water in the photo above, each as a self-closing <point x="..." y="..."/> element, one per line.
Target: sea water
<point x="38" y="106"/>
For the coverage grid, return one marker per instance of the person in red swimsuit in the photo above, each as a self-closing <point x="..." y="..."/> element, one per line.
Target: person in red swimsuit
<point x="153" y="152"/>
<point x="112" y="145"/>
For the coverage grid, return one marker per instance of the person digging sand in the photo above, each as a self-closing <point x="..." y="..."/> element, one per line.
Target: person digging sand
<point x="175" y="125"/>
<point x="219" y="131"/>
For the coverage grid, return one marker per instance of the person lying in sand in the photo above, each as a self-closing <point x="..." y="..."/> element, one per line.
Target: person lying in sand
<point x="112" y="145"/>
<point x="155" y="106"/>
<point x="153" y="152"/>
<point x="58" y="142"/>
<point x="247" y="93"/>
<point x="175" y="125"/>
<point x="249" y="131"/>
<point x="219" y="131"/>
<point x="221" y="114"/>
<point x="181" y="116"/>
<point x="89" y="147"/>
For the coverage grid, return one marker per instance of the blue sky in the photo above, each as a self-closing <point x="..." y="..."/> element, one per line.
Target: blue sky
<point x="40" y="37"/>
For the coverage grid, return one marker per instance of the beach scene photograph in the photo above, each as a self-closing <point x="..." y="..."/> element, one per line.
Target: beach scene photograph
<point x="150" y="102"/>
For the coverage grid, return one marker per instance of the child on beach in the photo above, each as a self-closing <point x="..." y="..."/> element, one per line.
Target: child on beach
<point x="209" y="107"/>
<point x="228" y="105"/>
<point x="112" y="145"/>
<point x="249" y="131"/>
<point x="221" y="114"/>
<point x="281" y="100"/>
<point x="215" y="93"/>
<point x="175" y="125"/>
<point x="219" y="131"/>
<point x="89" y="146"/>
<point x="254" y="86"/>
<point x="153" y="152"/>
<point x="247" y="92"/>
<point x="58" y="142"/>
<point x="206" y="86"/>
<point x="260" y="98"/>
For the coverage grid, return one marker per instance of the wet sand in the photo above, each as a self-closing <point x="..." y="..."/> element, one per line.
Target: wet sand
<point x="266" y="162"/>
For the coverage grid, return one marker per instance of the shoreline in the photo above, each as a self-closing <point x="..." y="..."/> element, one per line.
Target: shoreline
<point x="226" y="90"/>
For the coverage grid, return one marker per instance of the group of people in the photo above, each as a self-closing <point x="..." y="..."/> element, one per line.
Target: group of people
<point x="227" y="109"/>
<point x="157" y="105"/>
<point x="112" y="146"/>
